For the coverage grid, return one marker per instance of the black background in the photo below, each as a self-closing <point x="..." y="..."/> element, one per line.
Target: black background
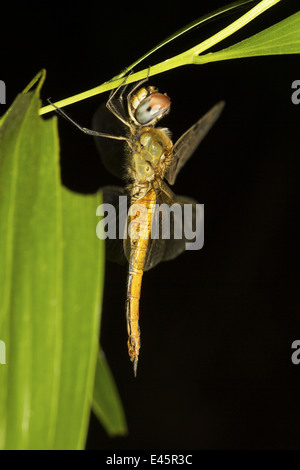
<point x="215" y="368"/>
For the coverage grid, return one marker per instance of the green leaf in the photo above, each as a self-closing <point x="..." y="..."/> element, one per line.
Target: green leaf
<point x="51" y="281"/>
<point x="281" y="38"/>
<point x="106" y="403"/>
<point x="82" y="282"/>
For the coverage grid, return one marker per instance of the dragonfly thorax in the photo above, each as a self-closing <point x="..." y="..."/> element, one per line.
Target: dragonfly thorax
<point x="151" y="154"/>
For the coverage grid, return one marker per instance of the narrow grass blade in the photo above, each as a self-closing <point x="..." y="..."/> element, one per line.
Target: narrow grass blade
<point x="194" y="24"/>
<point x="106" y="402"/>
<point x="188" y="57"/>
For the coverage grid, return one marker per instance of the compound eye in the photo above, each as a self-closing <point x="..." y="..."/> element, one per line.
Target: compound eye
<point x="152" y="108"/>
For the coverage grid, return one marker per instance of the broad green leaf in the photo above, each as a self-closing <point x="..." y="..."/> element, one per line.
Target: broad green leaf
<point x="51" y="280"/>
<point x="83" y="258"/>
<point x="281" y="38"/>
<point x="106" y="403"/>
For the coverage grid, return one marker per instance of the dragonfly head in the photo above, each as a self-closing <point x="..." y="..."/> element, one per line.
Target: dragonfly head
<point x="147" y="106"/>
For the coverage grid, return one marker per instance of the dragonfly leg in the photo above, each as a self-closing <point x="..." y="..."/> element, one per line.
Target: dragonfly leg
<point x="85" y="129"/>
<point x="119" y="113"/>
<point x="136" y="86"/>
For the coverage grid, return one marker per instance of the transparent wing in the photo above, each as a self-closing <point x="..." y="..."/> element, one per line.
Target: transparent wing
<point x="191" y="222"/>
<point x="189" y="141"/>
<point x="112" y="152"/>
<point x="155" y="253"/>
<point x="178" y="222"/>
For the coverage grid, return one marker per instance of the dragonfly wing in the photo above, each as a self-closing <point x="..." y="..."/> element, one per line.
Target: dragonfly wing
<point x="112" y="152"/>
<point x="189" y="141"/>
<point x="155" y="250"/>
<point x="183" y="224"/>
<point x="115" y="220"/>
<point x="191" y="225"/>
<point x="156" y="243"/>
<point x="173" y="228"/>
<point x="155" y="253"/>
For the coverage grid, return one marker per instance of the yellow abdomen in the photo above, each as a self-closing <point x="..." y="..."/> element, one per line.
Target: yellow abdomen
<point x="139" y="241"/>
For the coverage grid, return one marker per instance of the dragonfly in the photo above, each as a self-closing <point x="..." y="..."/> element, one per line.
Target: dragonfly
<point x="149" y="163"/>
